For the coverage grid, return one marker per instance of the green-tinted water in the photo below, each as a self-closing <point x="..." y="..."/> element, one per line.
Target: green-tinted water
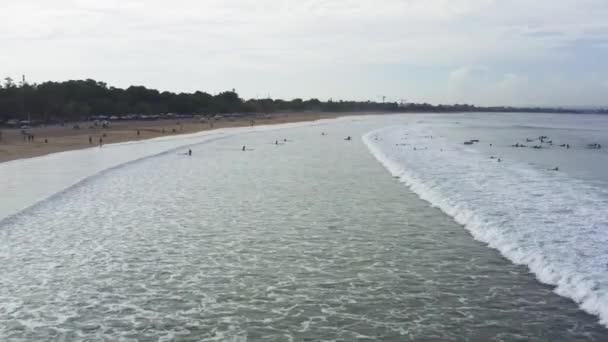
<point x="309" y="240"/>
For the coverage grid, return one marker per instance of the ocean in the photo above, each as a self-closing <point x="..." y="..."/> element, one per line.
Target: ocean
<point x="402" y="233"/>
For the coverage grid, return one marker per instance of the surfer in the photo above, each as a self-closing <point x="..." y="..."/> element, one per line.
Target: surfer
<point x="348" y="138"/>
<point x="276" y="142"/>
<point x="244" y="148"/>
<point x="190" y="152"/>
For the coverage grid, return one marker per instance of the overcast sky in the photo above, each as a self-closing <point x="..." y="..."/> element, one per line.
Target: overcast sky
<point x="515" y="52"/>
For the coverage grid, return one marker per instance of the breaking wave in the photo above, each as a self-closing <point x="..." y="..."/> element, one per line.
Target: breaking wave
<point x="555" y="225"/>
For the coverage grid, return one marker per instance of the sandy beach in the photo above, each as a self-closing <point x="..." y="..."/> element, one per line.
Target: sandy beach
<point x="51" y="139"/>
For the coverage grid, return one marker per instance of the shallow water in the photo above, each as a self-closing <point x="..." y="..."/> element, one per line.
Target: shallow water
<point x="309" y="240"/>
<point x="552" y="220"/>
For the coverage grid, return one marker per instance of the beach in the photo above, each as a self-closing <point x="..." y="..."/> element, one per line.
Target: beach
<point x="14" y="144"/>
<point x="304" y="171"/>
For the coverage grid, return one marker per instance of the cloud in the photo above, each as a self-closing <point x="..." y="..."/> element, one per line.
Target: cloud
<point x="467" y="73"/>
<point x="213" y="44"/>
<point x="512" y="82"/>
<point x="512" y="88"/>
<point x="466" y="83"/>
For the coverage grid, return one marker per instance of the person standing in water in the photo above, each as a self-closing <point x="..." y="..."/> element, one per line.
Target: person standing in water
<point x="190" y="152"/>
<point x="100" y="141"/>
<point x="244" y="148"/>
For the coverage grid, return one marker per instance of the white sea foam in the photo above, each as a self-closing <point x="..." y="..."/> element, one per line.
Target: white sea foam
<point x="555" y="225"/>
<point x="274" y="244"/>
<point x="25" y="182"/>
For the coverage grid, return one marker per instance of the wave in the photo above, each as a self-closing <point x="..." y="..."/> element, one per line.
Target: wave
<point x="30" y="207"/>
<point x="35" y="180"/>
<point x="554" y="225"/>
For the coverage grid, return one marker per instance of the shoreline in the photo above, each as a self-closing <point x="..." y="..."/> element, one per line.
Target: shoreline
<point x="14" y="145"/>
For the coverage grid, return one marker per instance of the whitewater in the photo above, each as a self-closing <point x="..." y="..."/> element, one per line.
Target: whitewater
<point x="311" y="238"/>
<point x="552" y="222"/>
<point x="31" y="181"/>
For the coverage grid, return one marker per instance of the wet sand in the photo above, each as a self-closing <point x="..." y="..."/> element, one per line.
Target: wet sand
<point x="51" y="139"/>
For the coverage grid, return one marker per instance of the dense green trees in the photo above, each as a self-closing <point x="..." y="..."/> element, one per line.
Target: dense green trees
<point x="81" y="99"/>
<point x="75" y="100"/>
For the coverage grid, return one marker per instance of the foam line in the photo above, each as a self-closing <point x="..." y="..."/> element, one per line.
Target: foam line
<point x="26" y="182"/>
<point x="556" y="226"/>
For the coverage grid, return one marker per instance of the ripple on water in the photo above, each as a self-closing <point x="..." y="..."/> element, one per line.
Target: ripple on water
<point x="233" y="246"/>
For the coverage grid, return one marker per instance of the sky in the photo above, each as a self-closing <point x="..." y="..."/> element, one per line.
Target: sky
<point x="484" y="52"/>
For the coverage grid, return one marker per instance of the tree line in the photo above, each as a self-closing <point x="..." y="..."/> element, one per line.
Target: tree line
<point x="80" y="99"/>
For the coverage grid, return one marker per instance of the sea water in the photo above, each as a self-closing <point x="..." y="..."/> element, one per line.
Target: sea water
<point x="543" y="204"/>
<point x="310" y="239"/>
